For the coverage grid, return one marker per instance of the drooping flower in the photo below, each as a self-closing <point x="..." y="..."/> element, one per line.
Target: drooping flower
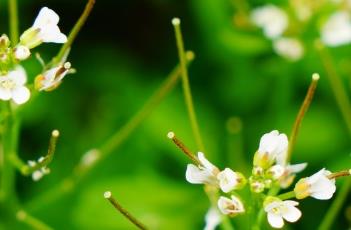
<point x="272" y="19"/>
<point x="230" y="180"/>
<point x="206" y="173"/>
<point x="212" y="219"/>
<point x="289" y="174"/>
<point x="318" y="186"/>
<point x="289" y="48"/>
<point x="52" y="78"/>
<point x="278" y="211"/>
<point x="231" y="207"/>
<point x="273" y="146"/>
<point x="337" y="30"/>
<point x="12" y="86"/>
<point x="44" y="29"/>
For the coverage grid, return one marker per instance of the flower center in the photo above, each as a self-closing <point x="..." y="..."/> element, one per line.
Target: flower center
<point x="7" y="84"/>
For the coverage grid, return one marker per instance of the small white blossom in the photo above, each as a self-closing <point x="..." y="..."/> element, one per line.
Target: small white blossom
<point x="212" y="219"/>
<point x="273" y="146"/>
<point x="52" y="78"/>
<point x="44" y="29"/>
<point x="206" y="173"/>
<point x="271" y="19"/>
<point x="337" y="30"/>
<point x="21" y="52"/>
<point x="289" y="48"/>
<point x="230" y="180"/>
<point x="278" y="210"/>
<point x="289" y="174"/>
<point x="318" y="186"/>
<point x="231" y="206"/>
<point x="38" y="174"/>
<point x="12" y="86"/>
<point x="276" y="171"/>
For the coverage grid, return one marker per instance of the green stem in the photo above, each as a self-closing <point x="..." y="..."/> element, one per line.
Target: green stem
<point x="73" y="34"/>
<point x="336" y="84"/>
<point x="336" y="206"/>
<point x="186" y="85"/>
<point x="69" y="183"/>
<point x="31" y="221"/>
<point x="303" y="109"/>
<point x="287" y="195"/>
<point x="13" y="15"/>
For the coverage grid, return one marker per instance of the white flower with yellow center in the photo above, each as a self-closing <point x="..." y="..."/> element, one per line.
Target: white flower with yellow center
<point x="318" y="186"/>
<point x="337" y="30"/>
<point x="273" y="146"/>
<point x="12" y="86"/>
<point x="231" y="207"/>
<point x="278" y="211"/>
<point x="52" y="78"/>
<point x="44" y="29"/>
<point x="206" y="173"/>
<point x="272" y="19"/>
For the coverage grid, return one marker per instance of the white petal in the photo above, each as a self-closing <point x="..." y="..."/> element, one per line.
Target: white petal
<point x="337" y="30"/>
<point x="37" y="175"/>
<point x="53" y="34"/>
<point x="18" y="75"/>
<point x="276" y="221"/>
<point x="208" y="165"/>
<point x="46" y="17"/>
<point x="292" y="214"/>
<point x="227" y="180"/>
<point x="323" y="189"/>
<point x="195" y="175"/>
<point x="289" y="48"/>
<point x="223" y="203"/>
<point x="5" y="94"/>
<point x="20" y="95"/>
<point x="213" y="219"/>
<point x="296" y="168"/>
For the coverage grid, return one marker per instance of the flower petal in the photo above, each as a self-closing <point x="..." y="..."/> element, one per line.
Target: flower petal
<point x="208" y="165"/>
<point x="292" y="214"/>
<point x="276" y="221"/>
<point x="20" y="95"/>
<point x="46" y="17"/>
<point x="212" y="218"/>
<point x="195" y="175"/>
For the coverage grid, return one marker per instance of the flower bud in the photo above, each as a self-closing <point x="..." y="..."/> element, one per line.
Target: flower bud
<point x="4" y="41"/>
<point x="21" y="52"/>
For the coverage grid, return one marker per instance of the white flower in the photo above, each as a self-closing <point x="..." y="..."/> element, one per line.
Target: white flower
<point x="21" y="52"/>
<point x="230" y="180"/>
<point x="273" y="146"/>
<point x="12" y="86"/>
<point x="278" y="210"/>
<point x="38" y="174"/>
<point x="52" y="78"/>
<point x="271" y="19"/>
<point x="337" y="30"/>
<point x="44" y="29"/>
<point x="203" y="174"/>
<point x="212" y="219"/>
<point x="289" y="174"/>
<point x="276" y="171"/>
<point x="318" y="186"/>
<point x="289" y="48"/>
<point x="231" y="206"/>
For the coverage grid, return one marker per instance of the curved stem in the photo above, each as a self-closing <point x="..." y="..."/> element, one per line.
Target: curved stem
<point x="186" y="85"/>
<point x="31" y="221"/>
<point x="73" y="34"/>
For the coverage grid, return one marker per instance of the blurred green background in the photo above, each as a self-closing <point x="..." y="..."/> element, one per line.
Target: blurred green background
<point x="122" y="55"/>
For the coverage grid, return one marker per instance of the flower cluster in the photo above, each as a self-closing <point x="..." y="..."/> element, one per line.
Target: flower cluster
<point x="285" y="28"/>
<point x="13" y="77"/>
<point x="271" y="171"/>
<point x="41" y="171"/>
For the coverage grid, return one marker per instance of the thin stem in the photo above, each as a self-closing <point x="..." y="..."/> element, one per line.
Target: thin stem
<point x="338" y="89"/>
<point x="182" y="147"/>
<point x="31" y="221"/>
<point x="26" y="169"/>
<point x="186" y="85"/>
<point x="340" y="174"/>
<point x="13" y="14"/>
<point x="287" y="195"/>
<point x="74" y="32"/>
<point x="123" y="211"/>
<point x="334" y="209"/>
<point x="115" y="141"/>
<point x="303" y="109"/>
